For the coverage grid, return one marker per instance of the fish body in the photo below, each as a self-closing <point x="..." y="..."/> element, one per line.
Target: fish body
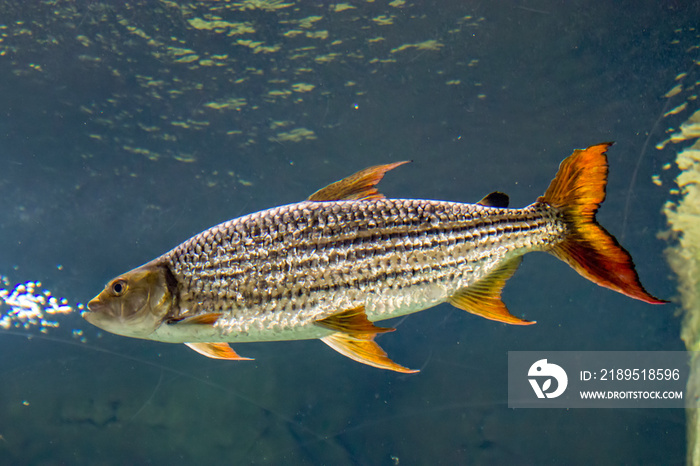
<point x="275" y="273"/>
<point x="329" y="267"/>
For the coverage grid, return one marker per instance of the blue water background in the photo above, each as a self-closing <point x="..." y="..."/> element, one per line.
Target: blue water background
<point x="549" y="77"/>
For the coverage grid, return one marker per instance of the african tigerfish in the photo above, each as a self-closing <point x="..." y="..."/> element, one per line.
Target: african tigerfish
<point x="331" y="266"/>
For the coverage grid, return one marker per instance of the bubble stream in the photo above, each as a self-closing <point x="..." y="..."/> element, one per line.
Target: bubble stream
<point x="27" y="306"/>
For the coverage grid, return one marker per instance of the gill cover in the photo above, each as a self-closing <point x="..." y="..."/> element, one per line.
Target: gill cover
<point x="135" y="303"/>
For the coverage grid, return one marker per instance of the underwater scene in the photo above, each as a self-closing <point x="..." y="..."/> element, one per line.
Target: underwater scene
<point x="128" y="127"/>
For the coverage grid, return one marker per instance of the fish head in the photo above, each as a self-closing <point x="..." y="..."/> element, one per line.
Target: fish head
<point x="134" y="304"/>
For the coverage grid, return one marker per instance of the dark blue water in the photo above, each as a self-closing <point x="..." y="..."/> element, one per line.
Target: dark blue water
<point x="117" y="143"/>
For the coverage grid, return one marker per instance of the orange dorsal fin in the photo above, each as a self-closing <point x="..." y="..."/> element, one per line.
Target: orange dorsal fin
<point x="577" y="191"/>
<point x="495" y="199"/>
<point x="363" y="349"/>
<point x="217" y="351"/>
<point x="483" y="298"/>
<point x="352" y="321"/>
<point x="359" y="186"/>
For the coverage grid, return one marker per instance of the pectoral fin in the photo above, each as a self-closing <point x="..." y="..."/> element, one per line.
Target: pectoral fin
<point x="359" y="186"/>
<point x="217" y="351"/>
<point x="484" y="297"/>
<point x="362" y="348"/>
<point x="202" y="319"/>
<point x="352" y="321"/>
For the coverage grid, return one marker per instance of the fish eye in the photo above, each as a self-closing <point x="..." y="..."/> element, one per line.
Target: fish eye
<point x="118" y="287"/>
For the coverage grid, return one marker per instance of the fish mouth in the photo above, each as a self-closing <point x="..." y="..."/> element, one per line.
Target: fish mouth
<point x="94" y="306"/>
<point x="99" y="314"/>
<point x="90" y="313"/>
<point x="96" y="311"/>
<point x="103" y="315"/>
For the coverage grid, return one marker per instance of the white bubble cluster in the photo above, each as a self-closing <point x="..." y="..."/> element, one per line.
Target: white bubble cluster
<point x="27" y="306"/>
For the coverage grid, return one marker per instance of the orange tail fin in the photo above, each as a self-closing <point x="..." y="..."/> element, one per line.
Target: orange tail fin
<point x="577" y="191"/>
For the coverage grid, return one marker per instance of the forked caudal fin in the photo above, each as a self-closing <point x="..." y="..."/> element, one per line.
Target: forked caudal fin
<point x="577" y="191"/>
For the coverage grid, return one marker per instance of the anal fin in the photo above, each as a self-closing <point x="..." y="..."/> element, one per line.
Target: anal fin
<point x="362" y="348"/>
<point x="484" y="297"/>
<point x="352" y="321"/>
<point x="217" y="351"/>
